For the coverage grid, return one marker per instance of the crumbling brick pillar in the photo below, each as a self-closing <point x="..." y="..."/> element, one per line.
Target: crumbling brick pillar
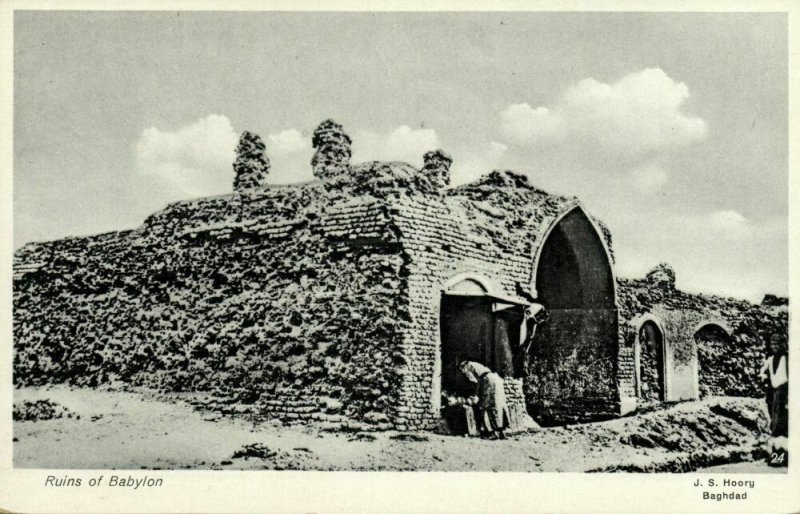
<point x="252" y="164"/>
<point x="332" y="157"/>
<point x="662" y="276"/>
<point x="437" y="167"/>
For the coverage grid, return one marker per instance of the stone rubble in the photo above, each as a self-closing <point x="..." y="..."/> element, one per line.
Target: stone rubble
<point x="40" y="410"/>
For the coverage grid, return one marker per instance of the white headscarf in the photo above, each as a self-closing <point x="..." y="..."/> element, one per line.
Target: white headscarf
<point x="473" y="370"/>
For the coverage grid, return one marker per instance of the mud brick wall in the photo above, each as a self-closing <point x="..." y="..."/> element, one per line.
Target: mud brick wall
<point x="489" y="228"/>
<point x="726" y="364"/>
<point x="572" y="366"/>
<point x="249" y="296"/>
<point x="438" y="245"/>
<point x="626" y="367"/>
<point x="730" y="366"/>
<point x="515" y="395"/>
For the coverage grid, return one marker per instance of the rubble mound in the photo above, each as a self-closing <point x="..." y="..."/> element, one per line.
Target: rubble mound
<point x="504" y="205"/>
<point x="698" y="427"/>
<point x="696" y="434"/>
<point x="382" y="179"/>
<point x="275" y="458"/>
<point x="40" y="410"/>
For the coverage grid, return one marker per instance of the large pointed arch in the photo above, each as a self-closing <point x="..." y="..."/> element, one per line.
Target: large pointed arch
<point x="572" y="360"/>
<point x="572" y="267"/>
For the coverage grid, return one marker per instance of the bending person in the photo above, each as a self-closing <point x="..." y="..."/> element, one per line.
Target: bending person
<point x="494" y="413"/>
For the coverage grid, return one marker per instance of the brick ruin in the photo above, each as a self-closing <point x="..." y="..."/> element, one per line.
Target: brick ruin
<point x="679" y="346"/>
<point x="350" y="300"/>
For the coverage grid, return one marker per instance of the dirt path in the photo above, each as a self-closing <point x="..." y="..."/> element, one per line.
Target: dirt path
<point x="125" y="430"/>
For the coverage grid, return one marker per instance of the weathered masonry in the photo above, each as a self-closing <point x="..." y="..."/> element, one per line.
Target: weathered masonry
<point x="351" y="299"/>
<point x="679" y="346"/>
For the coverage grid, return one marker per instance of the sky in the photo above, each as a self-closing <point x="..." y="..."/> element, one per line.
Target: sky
<point x="670" y="127"/>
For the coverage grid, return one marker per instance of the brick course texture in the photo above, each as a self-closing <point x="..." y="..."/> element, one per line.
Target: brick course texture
<point x="321" y="301"/>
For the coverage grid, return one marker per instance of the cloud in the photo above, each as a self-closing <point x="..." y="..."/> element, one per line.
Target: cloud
<point x="719" y="251"/>
<point x="477" y="161"/>
<point x="283" y="144"/>
<point x="639" y="115"/>
<point x="725" y="224"/>
<point x="522" y="124"/>
<point x="401" y="144"/>
<point x="727" y="220"/>
<point x="196" y="158"/>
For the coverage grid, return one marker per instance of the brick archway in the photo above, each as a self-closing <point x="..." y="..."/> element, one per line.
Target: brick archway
<point x="573" y="278"/>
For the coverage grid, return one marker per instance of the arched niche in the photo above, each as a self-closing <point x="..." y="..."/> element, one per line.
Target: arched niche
<point x="713" y="343"/>
<point x="712" y="329"/>
<point x="573" y="267"/>
<point x="650" y="360"/>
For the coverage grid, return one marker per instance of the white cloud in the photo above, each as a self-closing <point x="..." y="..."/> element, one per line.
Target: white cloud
<point x="728" y="220"/>
<point x="715" y="226"/>
<point x="290" y="152"/>
<point x="638" y="115"/>
<point x="522" y="124"/>
<point x="401" y="144"/>
<point x="196" y="158"/>
<point x="288" y="142"/>
<point x="477" y="161"/>
<point x="719" y="251"/>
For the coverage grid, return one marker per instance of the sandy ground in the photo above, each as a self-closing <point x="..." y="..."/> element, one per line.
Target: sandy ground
<point x="132" y="430"/>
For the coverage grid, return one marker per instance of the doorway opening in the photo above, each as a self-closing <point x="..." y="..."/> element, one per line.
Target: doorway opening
<point x="651" y="363"/>
<point x="480" y="327"/>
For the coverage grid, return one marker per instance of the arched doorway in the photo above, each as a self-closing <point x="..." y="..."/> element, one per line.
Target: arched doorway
<point x="479" y="326"/>
<point x="651" y="369"/>
<point x="572" y="359"/>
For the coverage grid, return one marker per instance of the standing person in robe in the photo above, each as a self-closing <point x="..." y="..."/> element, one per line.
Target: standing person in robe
<point x="775" y="371"/>
<point x="494" y="411"/>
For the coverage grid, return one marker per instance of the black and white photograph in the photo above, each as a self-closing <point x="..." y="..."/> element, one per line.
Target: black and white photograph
<point x="282" y="241"/>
